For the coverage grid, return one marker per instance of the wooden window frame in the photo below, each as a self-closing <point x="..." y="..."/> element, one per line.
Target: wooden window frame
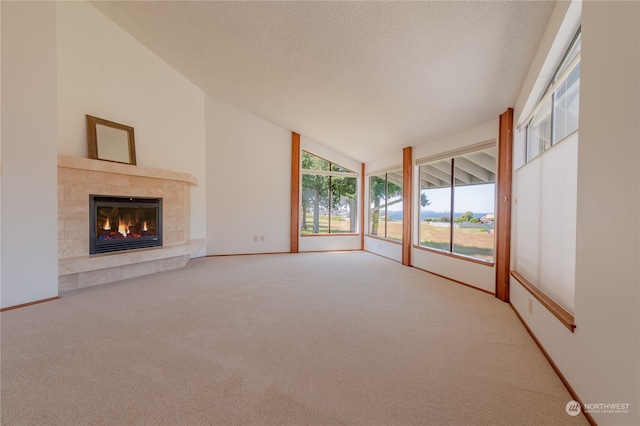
<point x="502" y="255"/>
<point x="407" y="209"/>
<point x="295" y="192"/>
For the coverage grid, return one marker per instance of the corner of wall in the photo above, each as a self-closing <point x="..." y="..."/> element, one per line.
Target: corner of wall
<point x="28" y="91"/>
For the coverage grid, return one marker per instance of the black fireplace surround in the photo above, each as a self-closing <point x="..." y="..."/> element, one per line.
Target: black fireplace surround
<point x="124" y="223"/>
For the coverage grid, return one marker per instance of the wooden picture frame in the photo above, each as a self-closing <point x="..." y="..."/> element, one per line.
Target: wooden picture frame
<point x="110" y="141"/>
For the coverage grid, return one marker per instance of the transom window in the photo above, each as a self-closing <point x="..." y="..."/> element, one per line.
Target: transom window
<point x="329" y="202"/>
<point x="557" y="114"/>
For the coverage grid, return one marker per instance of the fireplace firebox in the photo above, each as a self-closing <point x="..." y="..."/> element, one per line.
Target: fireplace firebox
<point x="124" y="223"/>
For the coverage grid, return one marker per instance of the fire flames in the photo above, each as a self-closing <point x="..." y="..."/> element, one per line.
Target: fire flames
<point x="123" y="228"/>
<point x="128" y="226"/>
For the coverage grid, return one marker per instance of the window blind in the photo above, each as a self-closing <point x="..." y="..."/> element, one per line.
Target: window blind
<point x="545" y="221"/>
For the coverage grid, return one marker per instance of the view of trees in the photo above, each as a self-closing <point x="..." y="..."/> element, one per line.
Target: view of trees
<point x="381" y="191"/>
<point x="329" y="204"/>
<point x="467" y="217"/>
<point x="384" y="193"/>
<point x="327" y="194"/>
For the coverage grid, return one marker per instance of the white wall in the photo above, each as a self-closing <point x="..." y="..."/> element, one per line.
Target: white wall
<point x="385" y="248"/>
<point x="248" y="182"/>
<point x="0" y="170"/>
<point x="29" y="243"/>
<point x="103" y="71"/>
<point x="327" y="242"/>
<point x="328" y="154"/>
<point x="600" y="359"/>
<point x="385" y="164"/>
<point x="483" y="132"/>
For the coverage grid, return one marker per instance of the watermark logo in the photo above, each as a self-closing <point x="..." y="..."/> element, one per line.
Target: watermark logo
<point x="607" y="408"/>
<point x="573" y="408"/>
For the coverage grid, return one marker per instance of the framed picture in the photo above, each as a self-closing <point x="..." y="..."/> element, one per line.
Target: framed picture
<point x="110" y="141"/>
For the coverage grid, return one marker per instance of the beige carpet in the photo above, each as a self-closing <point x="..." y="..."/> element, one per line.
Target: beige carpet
<point x="317" y="338"/>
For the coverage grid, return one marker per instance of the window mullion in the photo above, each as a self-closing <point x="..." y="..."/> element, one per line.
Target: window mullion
<point x="553" y="120"/>
<point x="453" y="184"/>
<point x="386" y="199"/>
<point x="330" y="201"/>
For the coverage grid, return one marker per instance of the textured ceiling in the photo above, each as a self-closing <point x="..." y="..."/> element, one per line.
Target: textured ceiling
<point x="364" y="78"/>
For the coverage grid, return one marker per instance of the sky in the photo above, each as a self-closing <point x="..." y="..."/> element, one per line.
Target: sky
<point x="475" y="198"/>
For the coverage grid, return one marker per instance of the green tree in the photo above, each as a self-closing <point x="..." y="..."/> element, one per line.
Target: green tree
<point x="379" y="192"/>
<point x="424" y="200"/>
<point x="380" y="189"/>
<point x="326" y="192"/>
<point x="465" y="217"/>
<point x="315" y="190"/>
<point x="344" y="193"/>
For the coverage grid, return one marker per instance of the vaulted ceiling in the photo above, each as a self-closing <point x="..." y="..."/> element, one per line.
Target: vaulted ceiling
<point x="363" y="78"/>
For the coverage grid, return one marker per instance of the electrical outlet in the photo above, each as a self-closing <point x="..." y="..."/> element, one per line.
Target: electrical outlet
<point x="262" y="238"/>
<point x="255" y="238"/>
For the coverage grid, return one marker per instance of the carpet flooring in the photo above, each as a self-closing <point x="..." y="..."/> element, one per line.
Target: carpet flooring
<point x="305" y="339"/>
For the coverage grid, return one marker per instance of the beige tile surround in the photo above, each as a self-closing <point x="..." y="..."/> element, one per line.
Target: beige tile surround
<point x="80" y="177"/>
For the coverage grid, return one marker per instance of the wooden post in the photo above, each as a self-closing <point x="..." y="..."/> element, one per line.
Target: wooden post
<point x="362" y="218"/>
<point x="295" y="191"/>
<point x="407" y="198"/>
<point x="503" y="216"/>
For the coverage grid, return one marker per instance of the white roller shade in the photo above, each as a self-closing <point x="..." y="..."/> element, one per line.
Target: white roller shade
<point x="545" y="221"/>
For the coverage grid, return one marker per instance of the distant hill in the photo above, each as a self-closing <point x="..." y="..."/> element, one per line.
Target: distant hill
<point x="397" y="215"/>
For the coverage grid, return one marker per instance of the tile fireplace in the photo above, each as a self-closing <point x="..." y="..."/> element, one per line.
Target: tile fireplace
<point x="161" y="198"/>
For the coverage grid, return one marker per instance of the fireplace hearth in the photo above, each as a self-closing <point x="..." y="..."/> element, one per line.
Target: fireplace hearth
<point x="124" y="223"/>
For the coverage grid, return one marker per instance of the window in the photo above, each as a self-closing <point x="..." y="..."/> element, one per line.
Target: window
<point x="557" y="113"/>
<point x="543" y="249"/>
<point x="329" y="199"/>
<point x="457" y="204"/>
<point x="385" y="210"/>
<point x="435" y="205"/>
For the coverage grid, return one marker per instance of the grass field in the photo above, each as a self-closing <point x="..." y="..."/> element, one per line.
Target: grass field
<point x="467" y="241"/>
<point x="475" y="242"/>
<point x="394" y="230"/>
<point x="339" y="225"/>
